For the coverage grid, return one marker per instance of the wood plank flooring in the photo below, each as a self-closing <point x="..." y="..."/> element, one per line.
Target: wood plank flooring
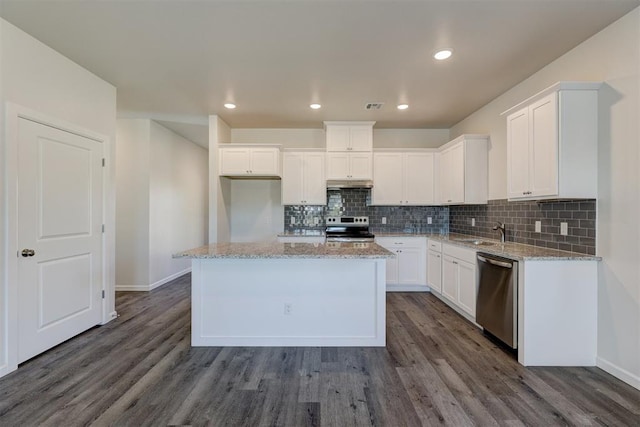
<point x="437" y="368"/>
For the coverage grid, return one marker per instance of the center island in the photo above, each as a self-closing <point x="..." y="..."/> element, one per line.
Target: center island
<point x="288" y="294"/>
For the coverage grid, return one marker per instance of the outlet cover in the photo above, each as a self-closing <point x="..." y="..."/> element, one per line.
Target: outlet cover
<point x="316" y="221"/>
<point x="287" y="308"/>
<point x="538" y="226"/>
<point x="564" y="228"/>
<point x="429" y="220"/>
<point x="293" y="220"/>
<point x="384" y="219"/>
<point x="473" y="222"/>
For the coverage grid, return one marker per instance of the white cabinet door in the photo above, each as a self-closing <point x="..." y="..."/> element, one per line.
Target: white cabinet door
<point x="467" y="287"/>
<point x="518" y="153"/>
<point x="387" y="179"/>
<point x="456" y="174"/>
<point x="411" y="266"/>
<point x="338" y="138"/>
<point x="315" y="184"/>
<point x="265" y="161"/>
<point x="292" y="178"/>
<point x="418" y="178"/>
<point x="338" y="165"/>
<point x="361" y="138"/>
<point x="450" y="278"/>
<point x="543" y="125"/>
<point x="235" y="161"/>
<point x="434" y="271"/>
<point x="360" y="166"/>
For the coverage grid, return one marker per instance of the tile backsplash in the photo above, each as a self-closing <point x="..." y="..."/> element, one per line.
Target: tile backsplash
<point x="520" y="218"/>
<point x="356" y="201"/>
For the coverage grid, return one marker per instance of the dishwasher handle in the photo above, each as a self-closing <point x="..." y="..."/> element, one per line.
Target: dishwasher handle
<point x="495" y="262"/>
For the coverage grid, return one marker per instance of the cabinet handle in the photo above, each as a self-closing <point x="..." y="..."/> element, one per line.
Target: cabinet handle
<point x="454" y="262"/>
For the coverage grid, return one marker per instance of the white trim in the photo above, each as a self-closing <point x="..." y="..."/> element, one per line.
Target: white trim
<point x="13" y="113"/>
<point x="407" y="288"/>
<point x="147" y="288"/>
<point x="567" y="85"/>
<point x="618" y="372"/>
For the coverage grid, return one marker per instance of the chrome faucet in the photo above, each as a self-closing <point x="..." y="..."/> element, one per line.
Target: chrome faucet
<point x="500" y="226"/>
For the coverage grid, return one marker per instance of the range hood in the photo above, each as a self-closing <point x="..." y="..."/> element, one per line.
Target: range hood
<point x="335" y="184"/>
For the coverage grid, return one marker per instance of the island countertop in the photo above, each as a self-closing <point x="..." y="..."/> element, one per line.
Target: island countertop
<point x="263" y="250"/>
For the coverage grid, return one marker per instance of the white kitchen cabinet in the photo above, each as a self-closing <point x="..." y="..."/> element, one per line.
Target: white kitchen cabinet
<point x="460" y="278"/>
<point x="552" y="143"/>
<point x="303" y="178"/>
<point x="434" y="266"/>
<point x="463" y="171"/>
<point x="408" y="270"/>
<point x="349" y="166"/>
<point x="349" y="136"/>
<point x="403" y="178"/>
<point x="249" y="161"/>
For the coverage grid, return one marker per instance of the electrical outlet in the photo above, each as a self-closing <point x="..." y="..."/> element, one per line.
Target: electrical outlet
<point x="293" y="220"/>
<point x="564" y="228"/>
<point x="316" y="221"/>
<point x="429" y="220"/>
<point x="473" y="222"/>
<point x="538" y="226"/>
<point x="384" y="220"/>
<point x="287" y="308"/>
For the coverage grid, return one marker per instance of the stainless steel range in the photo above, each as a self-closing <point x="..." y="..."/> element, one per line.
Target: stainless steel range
<point x="348" y="229"/>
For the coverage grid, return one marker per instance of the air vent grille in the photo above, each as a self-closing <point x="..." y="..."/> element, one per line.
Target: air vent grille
<point x="373" y="105"/>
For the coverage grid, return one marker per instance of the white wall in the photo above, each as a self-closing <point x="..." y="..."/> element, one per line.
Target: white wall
<point x="162" y="203"/>
<point x="34" y="76"/>
<point x="611" y="56"/>
<point x="132" y="203"/>
<point x="256" y="211"/>
<point x="178" y="211"/>
<point x="315" y="138"/>
<point x="219" y="188"/>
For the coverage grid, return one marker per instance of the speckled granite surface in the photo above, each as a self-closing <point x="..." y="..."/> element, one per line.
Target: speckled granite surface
<point x="261" y="250"/>
<point x="302" y="233"/>
<point x="510" y="250"/>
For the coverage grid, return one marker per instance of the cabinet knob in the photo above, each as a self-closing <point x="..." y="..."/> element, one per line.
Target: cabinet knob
<point x="28" y="252"/>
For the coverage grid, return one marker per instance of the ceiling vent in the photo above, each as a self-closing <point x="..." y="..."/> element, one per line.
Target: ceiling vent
<point x="373" y="105"/>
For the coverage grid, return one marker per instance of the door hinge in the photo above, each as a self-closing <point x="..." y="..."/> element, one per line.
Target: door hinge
<point x="103" y="294"/>
<point x="103" y="162"/>
<point x="103" y="228"/>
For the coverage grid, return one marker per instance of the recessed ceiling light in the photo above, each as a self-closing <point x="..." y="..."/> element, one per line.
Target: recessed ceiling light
<point x="403" y="106"/>
<point x="315" y="106"/>
<point x="230" y="106"/>
<point x="443" y="54"/>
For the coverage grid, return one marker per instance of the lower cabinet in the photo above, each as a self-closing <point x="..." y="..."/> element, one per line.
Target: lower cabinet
<point x="434" y="266"/>
<point x="460" y="278"/>
<point x="408" y="270"/>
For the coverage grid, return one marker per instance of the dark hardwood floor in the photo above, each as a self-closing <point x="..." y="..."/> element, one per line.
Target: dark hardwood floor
<point x="436" y="369"/>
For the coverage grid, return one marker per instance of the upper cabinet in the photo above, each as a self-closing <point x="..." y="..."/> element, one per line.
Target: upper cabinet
<point x="349" y="136"/>
<point x="552" y="143"/>
<point x="403" y="178"/>
<point x="462" y="171"/>
<point x="349" y="166"/>
<point x="303" y="178"/>
<point x="250" y="161"/>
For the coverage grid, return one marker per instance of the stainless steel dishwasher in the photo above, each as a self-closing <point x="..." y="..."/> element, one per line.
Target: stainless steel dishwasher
<point x="497" y="301"/>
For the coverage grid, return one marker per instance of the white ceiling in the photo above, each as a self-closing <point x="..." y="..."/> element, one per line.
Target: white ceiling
<point x="179" y="61"/>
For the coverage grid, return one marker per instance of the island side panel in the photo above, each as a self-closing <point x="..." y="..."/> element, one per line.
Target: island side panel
<point x="333" y="302"/>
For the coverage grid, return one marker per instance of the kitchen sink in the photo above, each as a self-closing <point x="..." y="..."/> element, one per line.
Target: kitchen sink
<point x="476" y="242"/>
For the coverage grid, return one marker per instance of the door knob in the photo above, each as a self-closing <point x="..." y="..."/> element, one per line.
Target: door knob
<point x="28" y="252"/>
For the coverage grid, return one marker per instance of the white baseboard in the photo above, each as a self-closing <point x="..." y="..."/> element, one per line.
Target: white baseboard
<point x="407" y="288"/>
<point x="618" y="372"/>
<point x="6" y="369"/>
<point x="110" y="317"/>
<point x="147" y="288"/>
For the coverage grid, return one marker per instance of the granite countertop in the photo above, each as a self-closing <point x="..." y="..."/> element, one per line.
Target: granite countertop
<point x="511" y="250"/>
<point x="263" y="250"/>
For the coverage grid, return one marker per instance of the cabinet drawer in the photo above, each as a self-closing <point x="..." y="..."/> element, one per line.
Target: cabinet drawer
<point x="434" y="245"/>
<point x="399" y="242"/>
<point x="463" y="254"/>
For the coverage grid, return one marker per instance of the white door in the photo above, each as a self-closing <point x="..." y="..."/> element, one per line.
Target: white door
<point x="59" y="236"/>
<point x="419" y="170"/>
<point x="410" y="266"/>
<point x="338" y="165"/>
<point x="235" y="161"/>
<point x="387" y="176"/>
<point x="292" y="178"/>
<point x="450" y="278"/>
<point x="315" y="185"/>
<point x="434" y="271"/>
<point x="361" y="138"/>
<point x="360" y="166"/>
<point x="543" y="127"/>
<point x="467" y="287"/>
<point x="264" y="161"/>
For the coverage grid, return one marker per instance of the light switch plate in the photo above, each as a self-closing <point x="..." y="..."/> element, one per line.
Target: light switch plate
<point x="538" y="226"/>
<point x="473" y="222"/>
<point x="429" y="220"/>
<point x="564" y="228"/>
<point x="293" y="220"/>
